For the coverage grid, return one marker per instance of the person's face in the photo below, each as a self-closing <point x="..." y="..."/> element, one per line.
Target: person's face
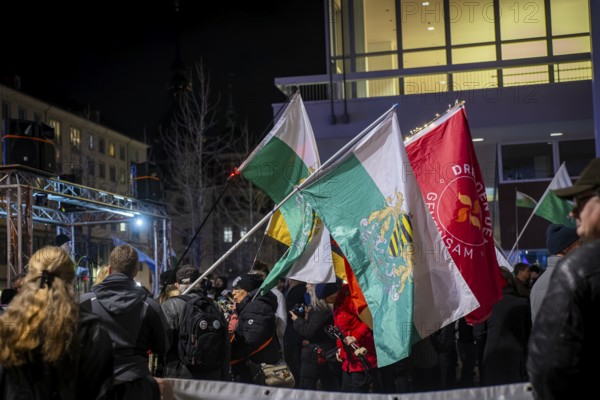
<point x="587" y="215"/>
<point x="524" y="275"/>
<point x="331" y="298"/>
<point x="239" y="294"/>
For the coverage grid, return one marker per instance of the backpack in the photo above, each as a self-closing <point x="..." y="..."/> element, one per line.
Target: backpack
<point x="202" y="334"/>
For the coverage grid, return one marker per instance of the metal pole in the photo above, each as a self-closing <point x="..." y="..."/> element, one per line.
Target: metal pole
<point x="307" y="182"/>
<point x="155" y="285"/>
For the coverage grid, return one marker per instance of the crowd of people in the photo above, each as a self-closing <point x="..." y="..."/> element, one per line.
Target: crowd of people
<point x="117" y="341"/>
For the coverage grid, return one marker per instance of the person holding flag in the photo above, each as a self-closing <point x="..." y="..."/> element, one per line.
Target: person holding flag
<point x="358" y="373"/>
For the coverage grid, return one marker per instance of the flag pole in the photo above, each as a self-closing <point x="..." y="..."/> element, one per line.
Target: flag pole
<point x="528" y="220"/>
<point x="308" y="181"/>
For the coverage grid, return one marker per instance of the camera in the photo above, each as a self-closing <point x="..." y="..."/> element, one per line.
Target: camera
<point x="300" y="310"/>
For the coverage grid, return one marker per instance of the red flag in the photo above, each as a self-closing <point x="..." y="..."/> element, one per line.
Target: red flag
<point x="358" y="298"/>
<point x="444" y="162"/>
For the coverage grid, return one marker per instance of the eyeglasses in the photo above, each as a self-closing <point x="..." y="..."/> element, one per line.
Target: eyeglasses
<point x="581" y="201"/>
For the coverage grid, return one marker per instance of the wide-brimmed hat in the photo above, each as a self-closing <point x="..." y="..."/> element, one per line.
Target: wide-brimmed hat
<point x="588" y="180"/>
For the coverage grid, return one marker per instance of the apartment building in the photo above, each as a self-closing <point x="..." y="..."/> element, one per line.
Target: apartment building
<point x="95" y="158"/>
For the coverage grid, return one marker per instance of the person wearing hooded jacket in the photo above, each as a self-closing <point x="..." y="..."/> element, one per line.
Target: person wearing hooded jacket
<point x="135" y="322"/>
<point x="254" y="340"/>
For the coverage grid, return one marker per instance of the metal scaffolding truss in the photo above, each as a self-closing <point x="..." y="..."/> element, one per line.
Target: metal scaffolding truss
<point x="28" y="196"/>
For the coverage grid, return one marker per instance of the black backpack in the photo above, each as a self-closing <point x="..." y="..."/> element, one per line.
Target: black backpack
<point x="202" y="334"/>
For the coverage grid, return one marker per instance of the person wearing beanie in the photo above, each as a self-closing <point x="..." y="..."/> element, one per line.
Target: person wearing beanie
<point x="254" y="340"/>
<point x="174" y="309"/>
<point x="563" y="351"/>
<point x="355" y="377"/>
<point x="560" y="241"/>
<point x="324" y="290"/>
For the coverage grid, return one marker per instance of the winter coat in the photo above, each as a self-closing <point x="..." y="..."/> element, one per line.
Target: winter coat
<point x="135" y="322"/>
<point x="346" y="318"/>
<point x="86" y="371"/>
<point x="508" y="329"/>
<point x="564" y="348"/>
<point x="312" y="329"/>
<point x="256" y="325"/>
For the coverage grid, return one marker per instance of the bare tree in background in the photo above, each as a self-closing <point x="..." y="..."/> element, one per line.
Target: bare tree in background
<point x="189" y="150"/>
<point x="243" y="204"/>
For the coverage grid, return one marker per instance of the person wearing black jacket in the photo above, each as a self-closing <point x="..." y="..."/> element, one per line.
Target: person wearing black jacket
<point x="564" y="348"/>
<point x="50" y="347"/>
<point x="135" y="322"/>
<point x="174" y="309"/>
<point x="254" y="340"/>
<point x="318" y="361"/>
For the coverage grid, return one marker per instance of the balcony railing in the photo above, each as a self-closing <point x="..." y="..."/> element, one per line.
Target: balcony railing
<point x="534" y="71"/>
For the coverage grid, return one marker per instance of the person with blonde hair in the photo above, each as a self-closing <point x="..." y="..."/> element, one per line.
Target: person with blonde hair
<point x="49" y="345"/>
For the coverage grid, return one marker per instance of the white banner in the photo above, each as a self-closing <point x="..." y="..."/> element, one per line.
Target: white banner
<point x="183" y="389"/>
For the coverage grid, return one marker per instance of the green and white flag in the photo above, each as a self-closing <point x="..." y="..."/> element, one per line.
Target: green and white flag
<point x="285" y="158"/>
<point x="525" y="201"/>
<point x="553" y="208"/>
<point x="372" y="205"/>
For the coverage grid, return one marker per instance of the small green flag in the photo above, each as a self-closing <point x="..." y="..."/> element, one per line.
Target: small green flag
<point x="525" y="201"/>
<point x="552" y="208"/>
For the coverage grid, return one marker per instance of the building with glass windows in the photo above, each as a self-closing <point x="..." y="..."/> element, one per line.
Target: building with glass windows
<point x="523" y="67"/>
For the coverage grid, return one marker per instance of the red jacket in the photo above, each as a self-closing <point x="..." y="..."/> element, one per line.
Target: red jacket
<point x="346" y="318"/>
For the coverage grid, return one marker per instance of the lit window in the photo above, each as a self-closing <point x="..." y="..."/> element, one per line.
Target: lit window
<point x="122" y="227"/>
<point x="76" y="137"/>
<point x="56" y="125"/>
<point x="569" y="17"/>
<point x="91" y="142"/>
<point x="111" y="149"/>
<point x="471" y="21"/>
<point x="243" y="232"/>
<point x="228" y="234"/>
<point x="521" y="19"/>
<point x="422" y="25"/>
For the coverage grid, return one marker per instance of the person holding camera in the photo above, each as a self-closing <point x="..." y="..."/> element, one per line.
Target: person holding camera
<point x="317" y="358"/>
<point x="253" y="340"/>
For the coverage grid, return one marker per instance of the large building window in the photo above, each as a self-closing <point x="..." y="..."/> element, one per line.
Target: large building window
<point x="576" y="154"/>
<point x="111" y="149"/>
<point x="471" y="22"/>
<point x="539" y="161"/>
<point x="527" y="161"/>
<point x="438" y="34"/>
<point x="101" y="145"/>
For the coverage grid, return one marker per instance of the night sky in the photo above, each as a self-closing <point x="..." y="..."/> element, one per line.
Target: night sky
<point x="115" y="55"/>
